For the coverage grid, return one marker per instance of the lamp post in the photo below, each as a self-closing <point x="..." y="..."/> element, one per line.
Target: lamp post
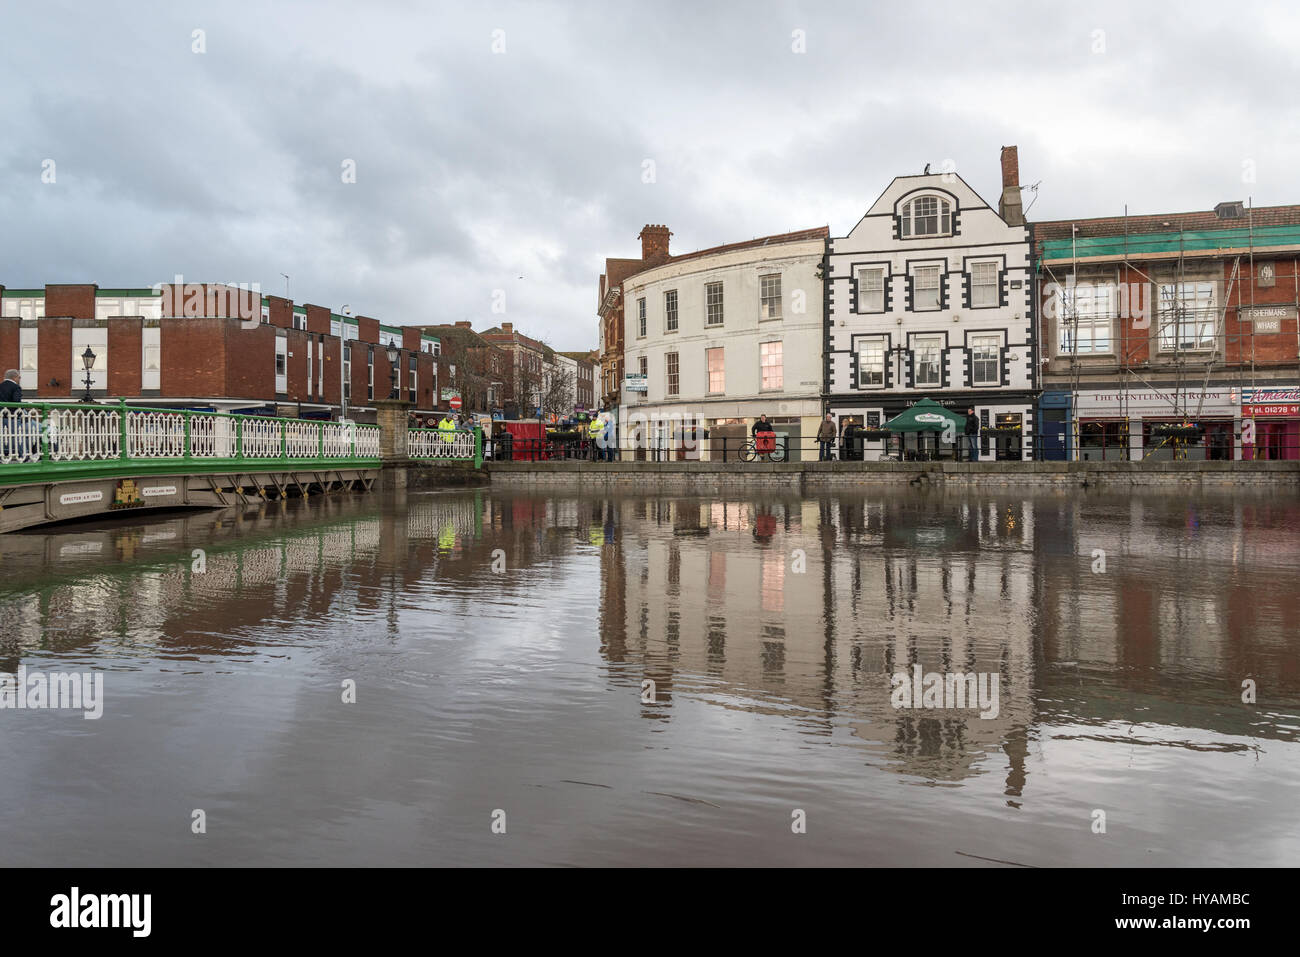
<point x="451" y="369"/>
<point x="394" y="354"/>
<point x="88" y="360"/>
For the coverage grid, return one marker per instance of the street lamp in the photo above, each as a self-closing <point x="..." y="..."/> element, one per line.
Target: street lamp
<point x="451" y="369"/>
<point x="88" y="360"/>
<point x="394" y="354"/>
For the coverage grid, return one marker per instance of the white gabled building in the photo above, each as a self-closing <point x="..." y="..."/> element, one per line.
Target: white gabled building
<point x="931" y="295"/>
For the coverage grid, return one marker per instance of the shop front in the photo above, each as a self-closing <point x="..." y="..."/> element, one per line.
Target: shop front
<point x="1271" y="418"/>
<point x="1006" y="427"/>
<point x="1156" y="424"/>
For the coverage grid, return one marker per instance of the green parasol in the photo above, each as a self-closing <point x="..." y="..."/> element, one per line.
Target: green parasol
<point x="926" y="416"/>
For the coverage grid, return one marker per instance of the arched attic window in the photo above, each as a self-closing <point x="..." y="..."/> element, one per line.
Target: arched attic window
<point x="926" y="216"/>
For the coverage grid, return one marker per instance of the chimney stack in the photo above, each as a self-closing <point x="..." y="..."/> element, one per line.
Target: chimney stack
<point x="1009" y="207"/>
<point x="654" y="243"/>
<point x="464" y="324"/>
<point x="508" y="327"/>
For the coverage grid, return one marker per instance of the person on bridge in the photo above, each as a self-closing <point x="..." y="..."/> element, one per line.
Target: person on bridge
<point x="447" y="428"/>
<point x="10" y="390"/>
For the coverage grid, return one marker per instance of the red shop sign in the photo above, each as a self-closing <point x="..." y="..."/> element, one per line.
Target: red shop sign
<point x="1257" y="410"/>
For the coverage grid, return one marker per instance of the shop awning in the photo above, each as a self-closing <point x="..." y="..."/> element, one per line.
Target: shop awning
<point x="927" y="416"/>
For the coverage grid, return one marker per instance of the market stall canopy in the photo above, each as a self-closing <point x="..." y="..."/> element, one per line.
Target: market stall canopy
<point x="926" y="416"/>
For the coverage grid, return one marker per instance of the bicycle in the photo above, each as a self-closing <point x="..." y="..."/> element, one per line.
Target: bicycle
<point x="763" y="446"/>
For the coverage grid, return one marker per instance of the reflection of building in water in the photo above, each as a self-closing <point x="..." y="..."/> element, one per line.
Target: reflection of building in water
<point x="987" y="585"/>
<point x="295" y="563"/>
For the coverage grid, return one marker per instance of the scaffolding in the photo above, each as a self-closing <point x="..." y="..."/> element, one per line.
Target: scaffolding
<point x="1180" y="320"/>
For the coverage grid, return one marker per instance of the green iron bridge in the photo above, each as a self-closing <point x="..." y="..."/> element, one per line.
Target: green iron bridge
<point x="60" y="461"/>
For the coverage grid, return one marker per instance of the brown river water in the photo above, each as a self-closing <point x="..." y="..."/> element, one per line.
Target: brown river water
<point x="631" y="681"/>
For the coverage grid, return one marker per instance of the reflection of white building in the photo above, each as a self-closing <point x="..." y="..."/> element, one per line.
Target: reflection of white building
<point x="723" y="336"/>
<point x="930" y="296"/>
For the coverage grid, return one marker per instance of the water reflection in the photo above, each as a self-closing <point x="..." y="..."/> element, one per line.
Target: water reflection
<point x="528" y="634"/>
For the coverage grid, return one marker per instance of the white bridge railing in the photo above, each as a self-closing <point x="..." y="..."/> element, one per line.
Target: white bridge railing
<point x="455" y="444"/>
<point x="41" y="432"/>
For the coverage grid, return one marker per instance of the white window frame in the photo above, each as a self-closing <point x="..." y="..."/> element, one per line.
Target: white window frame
<point x="97" y="338"/>
<point x="1196" y="331"/>
<point x="764" y="354"/>
<point x="1091" y="331"/>
<point x="14" y="308"/>
<point x="926" y="216"/>
<point x="722" y="370"/>
<point x="150" y="341"/>
<point x="927" y="353"/>
<point x="922" y="303"/>
<point x="672" y="373"/>
<point x="769" y="296"/>
<point x="865" y="348"/>
<point x="670" y="310"/>
<point x="29" y="343"/>
<point x="986" y="294"/>
<point x="710" y="303"/>
<point x="871" y="289"/>
<point x="640" y="318"/>
<point x="281" y="359"/>
<point x="987" y="343"/>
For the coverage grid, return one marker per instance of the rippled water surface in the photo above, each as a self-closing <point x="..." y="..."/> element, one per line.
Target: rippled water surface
<point x="662" y="681"/>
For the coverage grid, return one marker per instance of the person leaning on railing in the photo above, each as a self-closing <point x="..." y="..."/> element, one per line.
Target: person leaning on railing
<point x="594" y="429"/>
<point x="11" y="391"/>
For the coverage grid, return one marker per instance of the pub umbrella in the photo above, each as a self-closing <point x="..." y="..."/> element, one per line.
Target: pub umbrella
<point x="927" y="416"/>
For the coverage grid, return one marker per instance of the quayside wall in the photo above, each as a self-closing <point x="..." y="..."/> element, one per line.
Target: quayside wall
<point x="653" y="478"/>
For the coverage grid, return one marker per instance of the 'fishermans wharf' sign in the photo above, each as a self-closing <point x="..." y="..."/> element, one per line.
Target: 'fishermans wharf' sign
<point x="1266" y="319"/>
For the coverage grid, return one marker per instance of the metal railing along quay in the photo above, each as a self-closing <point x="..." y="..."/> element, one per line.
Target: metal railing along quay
<point x="993" y="445"/>
<point x="60" y="442"/>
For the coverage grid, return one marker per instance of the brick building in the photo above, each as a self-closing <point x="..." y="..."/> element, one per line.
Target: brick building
<point x="527" y="375"/>
<point x="472" y="368"/>
<point x="1151" y="321"/>
<point x="208" y="346"/>
<point x="609" y="306"/>
<point x="584" y="384"/>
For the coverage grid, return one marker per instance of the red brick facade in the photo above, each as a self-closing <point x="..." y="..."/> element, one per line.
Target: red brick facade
<point x="213" y="347"/>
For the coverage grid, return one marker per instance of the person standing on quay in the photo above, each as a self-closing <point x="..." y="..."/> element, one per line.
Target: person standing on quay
<point x="972" y="434"/>
<point x="825" y="438"/>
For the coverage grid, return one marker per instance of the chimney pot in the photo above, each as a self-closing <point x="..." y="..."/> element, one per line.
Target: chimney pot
<point x="1009" y="206"/>
<point x="654" y="243"/>
<point x="1010" y="167"/>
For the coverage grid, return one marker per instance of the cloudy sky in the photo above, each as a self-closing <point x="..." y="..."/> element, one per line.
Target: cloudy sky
<point x="521" y="168"/>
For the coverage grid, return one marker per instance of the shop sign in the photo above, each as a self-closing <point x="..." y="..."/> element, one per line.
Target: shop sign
<point x="1266" y="319"/>
<point x="1140" y="403"/>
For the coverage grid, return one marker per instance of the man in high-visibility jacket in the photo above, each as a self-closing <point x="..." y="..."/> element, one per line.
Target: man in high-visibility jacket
<point x="595" y="429"/>
<point x="447" y="428"/>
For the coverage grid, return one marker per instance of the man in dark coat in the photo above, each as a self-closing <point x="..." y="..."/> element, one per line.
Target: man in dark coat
<point x="10" y="390"/>
<point x="972" y="431"/>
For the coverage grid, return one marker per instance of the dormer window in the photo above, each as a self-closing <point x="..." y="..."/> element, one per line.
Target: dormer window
<point x="926" y="216"/>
